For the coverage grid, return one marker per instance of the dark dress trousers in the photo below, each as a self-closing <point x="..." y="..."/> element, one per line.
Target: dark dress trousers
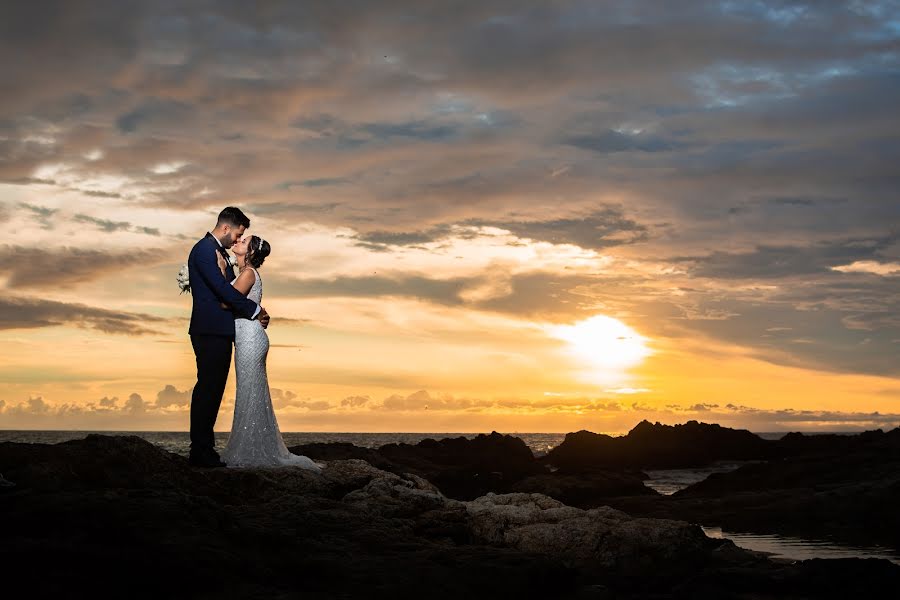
<point x="212" y="335"/>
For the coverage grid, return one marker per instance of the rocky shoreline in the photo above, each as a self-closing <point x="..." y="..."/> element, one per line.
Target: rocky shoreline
<point x="840" y="487"/>
<point x="116" y="515"/>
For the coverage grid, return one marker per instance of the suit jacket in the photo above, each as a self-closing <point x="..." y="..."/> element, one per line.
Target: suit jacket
<point x="209" y="287"/>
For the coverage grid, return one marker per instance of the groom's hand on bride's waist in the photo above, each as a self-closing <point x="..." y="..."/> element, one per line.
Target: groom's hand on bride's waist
<point x="263" y="317"/>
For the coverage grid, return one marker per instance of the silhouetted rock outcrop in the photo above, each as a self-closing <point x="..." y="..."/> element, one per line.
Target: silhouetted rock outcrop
<point x="161" y="528"/>
<point x="799" y="444"/>
<point x="649" y="446"/>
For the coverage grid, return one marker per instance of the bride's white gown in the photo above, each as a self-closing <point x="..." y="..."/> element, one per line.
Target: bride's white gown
<point x="255" y="438"/>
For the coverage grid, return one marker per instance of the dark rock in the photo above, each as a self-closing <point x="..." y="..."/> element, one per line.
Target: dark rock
<point x="242" y="533"/>
<point x="462" y="468"/>
<point x="121" y="516"/>
<point x="836" y="579"/>
<point x="587" y="490"/>
<point x="599" y="540"/>
<point x="658" y="446"/>
<point x="98" y="461"/>
<point x="848" y="491"/>
<point x="467" y="468"/>
<point x="343" y="451"/>
<point x="799" y="444"/>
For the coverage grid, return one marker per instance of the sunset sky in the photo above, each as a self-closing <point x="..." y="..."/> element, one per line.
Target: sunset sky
<point x="490" y="215"/>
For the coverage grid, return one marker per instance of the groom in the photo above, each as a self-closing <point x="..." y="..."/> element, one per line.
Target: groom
<point x="212" y="329"/>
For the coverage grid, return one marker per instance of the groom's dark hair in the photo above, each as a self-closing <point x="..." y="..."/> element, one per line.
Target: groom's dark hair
<point x="233" y="216"/>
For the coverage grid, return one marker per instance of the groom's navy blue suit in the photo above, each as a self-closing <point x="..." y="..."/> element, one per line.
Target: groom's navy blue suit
<point x="212" y="335"/>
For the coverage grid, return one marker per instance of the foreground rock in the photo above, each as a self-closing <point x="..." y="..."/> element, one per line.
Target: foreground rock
<point x="116" y="516"/>
<point x="110" y="516"/>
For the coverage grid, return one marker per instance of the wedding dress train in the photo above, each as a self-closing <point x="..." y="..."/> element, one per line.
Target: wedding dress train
<point x="255" y="437"/>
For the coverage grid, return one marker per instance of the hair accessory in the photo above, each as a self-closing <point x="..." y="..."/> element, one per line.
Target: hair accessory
<point x="261" y="241"/>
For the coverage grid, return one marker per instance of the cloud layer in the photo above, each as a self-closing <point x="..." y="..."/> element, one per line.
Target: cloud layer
<point x="615" y="416"/>
<point x="700" y="170"/>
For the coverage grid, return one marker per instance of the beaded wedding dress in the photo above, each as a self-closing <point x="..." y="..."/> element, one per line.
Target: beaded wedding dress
<point x="255" y="438"/>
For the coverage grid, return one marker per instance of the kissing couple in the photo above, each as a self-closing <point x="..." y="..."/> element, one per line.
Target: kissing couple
<point x="227" y="310"/>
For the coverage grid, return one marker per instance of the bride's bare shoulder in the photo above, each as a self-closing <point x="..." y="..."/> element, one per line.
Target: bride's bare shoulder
<point x="245" y="280"/>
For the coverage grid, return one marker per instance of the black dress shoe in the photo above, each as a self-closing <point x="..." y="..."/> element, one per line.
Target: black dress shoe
<point x="208" y="460"/>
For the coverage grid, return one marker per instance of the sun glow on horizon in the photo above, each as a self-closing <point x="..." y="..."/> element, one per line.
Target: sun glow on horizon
<point x="606" y="344"/>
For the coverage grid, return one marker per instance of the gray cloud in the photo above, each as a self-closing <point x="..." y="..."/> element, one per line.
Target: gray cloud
<point x="41" y="213"/>
<point x="528" y="295"/>
<point x="112" y="226"/>
<point x="285" y="398"/>
<point x="282" y="396"/>
<point x="773" y="262"/>
<point x="66" y="267"/>
<point x="422" y="400"/>
<point x="790" y="415"/>
<point x="749" y="143"/>
<point x="436" y="290"/>
<point x="383" y="240"/>
<point x="135" y="405"/>
<point x="104" y="224"/>
<point x="29" y="313"/>
<point x="614" y="141"/>
<point x="343" y="135"/>
<point x="317" y="405"/>
<point x="601" y="228"/>
<point x="355" y="401"/>
<point x="170" y="396"/>
<point x="505" y="70"/>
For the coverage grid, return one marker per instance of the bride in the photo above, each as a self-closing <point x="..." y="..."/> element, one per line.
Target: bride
<point x="255" y="438"/>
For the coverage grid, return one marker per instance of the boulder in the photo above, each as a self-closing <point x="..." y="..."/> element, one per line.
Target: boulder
<point x="597" y="540"/>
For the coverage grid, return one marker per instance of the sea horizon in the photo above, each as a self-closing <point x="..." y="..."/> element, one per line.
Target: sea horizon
<point x="539" y="442"/>
<point x="610" y="433"/>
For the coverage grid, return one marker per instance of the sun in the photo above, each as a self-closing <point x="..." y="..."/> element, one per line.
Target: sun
<point x="606" y="344"/>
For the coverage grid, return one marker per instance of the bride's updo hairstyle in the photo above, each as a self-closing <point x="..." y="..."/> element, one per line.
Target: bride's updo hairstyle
<point x="259" y="250"/>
